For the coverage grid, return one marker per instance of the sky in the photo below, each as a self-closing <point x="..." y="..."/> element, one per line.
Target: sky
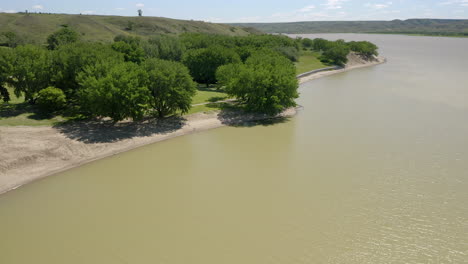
<point x="252" y="10"/>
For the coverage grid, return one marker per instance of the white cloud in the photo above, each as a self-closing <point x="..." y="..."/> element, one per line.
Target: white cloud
<point x="9" y="11"/>
<point x="38" y="7"/>
<point x="88" y="12"/>
<point x="119" y="8"/>
<point x="307" y="8"/>
<point x="378" y="6"/>
<point x="140" y="5"/>
<point x="334" y="4"/>
<point x="212" y="19"/>
<point x="455" y="2"/>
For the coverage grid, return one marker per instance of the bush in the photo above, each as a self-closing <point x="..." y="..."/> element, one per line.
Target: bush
<point x="51" y="99"/>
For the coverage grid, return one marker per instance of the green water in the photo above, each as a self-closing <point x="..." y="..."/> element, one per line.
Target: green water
<point x="374" y="169"/>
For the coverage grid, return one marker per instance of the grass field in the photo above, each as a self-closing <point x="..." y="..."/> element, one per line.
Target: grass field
<point x="208" y="95"/>
<point x="309" y="61"/>
<point x="34" y="28"/>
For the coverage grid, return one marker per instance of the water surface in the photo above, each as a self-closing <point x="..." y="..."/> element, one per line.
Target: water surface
<point x="374" y="169"/>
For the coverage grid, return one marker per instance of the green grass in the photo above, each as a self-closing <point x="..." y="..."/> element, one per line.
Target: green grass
<point x="205" y="95"/>
<point x="34" y="28"/>
<point x="205" y="108"/>
<point x="308" y="61"/>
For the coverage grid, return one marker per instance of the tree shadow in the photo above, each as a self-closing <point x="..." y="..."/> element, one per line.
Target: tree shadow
<point x="106" y="131"/>
<point x="14" y="110"/>
<point x="236" y="116"/>
<point x="217" y="98"/>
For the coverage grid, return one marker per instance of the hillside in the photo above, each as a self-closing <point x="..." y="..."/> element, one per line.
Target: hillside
<point x="442" y="27"/>
<point x="36" y="27"/>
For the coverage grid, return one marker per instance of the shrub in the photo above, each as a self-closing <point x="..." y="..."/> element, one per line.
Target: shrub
<point x="51" y="99"/>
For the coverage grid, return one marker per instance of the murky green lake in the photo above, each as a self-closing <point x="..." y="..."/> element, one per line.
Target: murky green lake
<point x="374" y="169"/>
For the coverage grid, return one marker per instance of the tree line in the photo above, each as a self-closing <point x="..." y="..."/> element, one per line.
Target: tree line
<point x="134" y="77"/>
<point x="336" y="52"/>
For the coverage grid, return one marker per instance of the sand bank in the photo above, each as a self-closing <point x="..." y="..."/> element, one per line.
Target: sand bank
<point x="31" y="153"/>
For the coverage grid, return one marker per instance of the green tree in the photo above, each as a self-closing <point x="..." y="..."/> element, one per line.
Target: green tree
<point x="11" y="39"/>
<point x="31" y="71"/>
<point x="203" y="63"/>
<point x="117" y="91"/>
<point x="336" y="55"/>
<point x="63" y="36"/>
<point x="168" y="47"/>
<point x="265" y="83"/>
<point x="130" y="47"/>
<point x="364" y="48"/>
<point x="71" y="59"/>
<point x="307" y="43"/>
<point x="6" y="69"/>
<point x="171" y="86"/>
<point x="51" y="99"/>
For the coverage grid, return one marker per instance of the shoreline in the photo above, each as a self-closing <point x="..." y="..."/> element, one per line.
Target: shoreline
<point x="33" y="153"/>
<point x="355" y="62"/>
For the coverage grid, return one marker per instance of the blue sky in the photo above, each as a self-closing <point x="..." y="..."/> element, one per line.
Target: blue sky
<point x="253" y="10"/>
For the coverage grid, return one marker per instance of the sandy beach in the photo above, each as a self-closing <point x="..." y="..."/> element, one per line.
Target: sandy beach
<point x="31" y="153"/>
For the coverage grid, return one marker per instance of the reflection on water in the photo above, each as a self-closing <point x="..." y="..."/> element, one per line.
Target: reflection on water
<point x="372" y="170"/>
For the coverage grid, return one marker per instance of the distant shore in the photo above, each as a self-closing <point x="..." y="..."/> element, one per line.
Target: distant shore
<point x="354" y="62"/>
<point x="32" y="153"/>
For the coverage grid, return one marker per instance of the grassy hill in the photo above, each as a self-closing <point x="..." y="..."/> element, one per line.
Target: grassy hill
<point x="34" y="28"/>
<point x="442" y="27"/>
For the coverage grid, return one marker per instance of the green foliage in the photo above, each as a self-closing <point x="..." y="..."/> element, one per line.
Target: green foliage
<point x="117" y="91"/>
<point x="307" y="43"/>
<point x="336" y="55"/>
<point x="204" y="62"/>
<point x="31" y="71"/>
<point x="321" y="44"/>
<point x="6" y="69"/>
<point x="333" y="52"/>
<point x="51" y="99"/>
<point x="364" y="48"/>
<point x="170" y="85"/>
<point x="69" y="60"/>
<point x="130" y="47"/>
<point x="264" y="83"/>
<point x="168" y="47"/>
<point x="289" y="52"/>
<point x="10" y="39"/>
<point x="63" y="36"/>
